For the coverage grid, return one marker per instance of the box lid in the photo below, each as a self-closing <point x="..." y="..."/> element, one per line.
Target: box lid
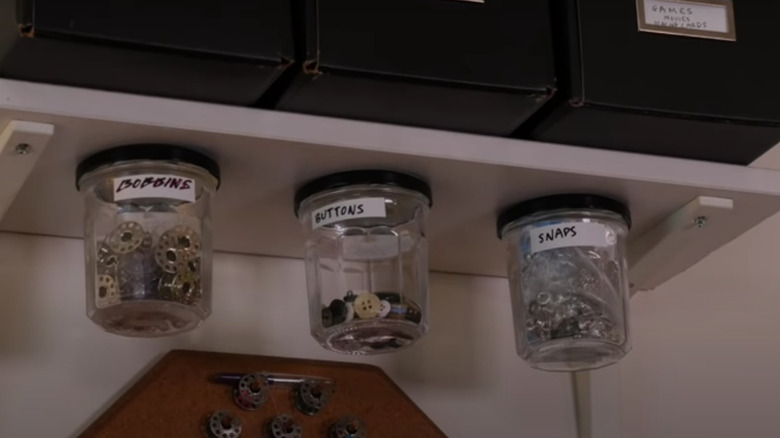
<point x="255" y="30"/>
<point x="497" y="42"/>
<point x="623" y="67"/>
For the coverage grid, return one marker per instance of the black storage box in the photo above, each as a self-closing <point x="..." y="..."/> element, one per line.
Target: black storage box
<point x="450" y="64"/>
<point x="665" y="94"/>
<point x="229" y="51"/>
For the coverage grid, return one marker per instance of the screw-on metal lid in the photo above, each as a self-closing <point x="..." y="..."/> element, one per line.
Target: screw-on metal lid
<point x="359" y="177"/>
<point x="156" y="152"/>
<point x="560" y="202"/>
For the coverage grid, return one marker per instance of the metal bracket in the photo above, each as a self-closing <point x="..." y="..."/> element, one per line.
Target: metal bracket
<point x="21" y="145"/>
<point x="679" y="241"/>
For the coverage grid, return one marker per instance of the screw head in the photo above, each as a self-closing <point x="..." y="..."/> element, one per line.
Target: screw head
<point x="700" y="222"/>
<point x="23" y="149"/>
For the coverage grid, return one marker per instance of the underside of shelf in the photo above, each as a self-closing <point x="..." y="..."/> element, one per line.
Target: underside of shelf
<point x="266" y="155"/>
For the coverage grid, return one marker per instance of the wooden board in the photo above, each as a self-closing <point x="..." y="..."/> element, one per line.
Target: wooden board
<point x="175" y="398"/>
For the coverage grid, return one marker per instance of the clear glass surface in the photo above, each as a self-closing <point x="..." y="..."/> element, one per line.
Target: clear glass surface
<point x="148" y="261"/>
<point x="570" y="304"/>
<point x="368" y="277"/>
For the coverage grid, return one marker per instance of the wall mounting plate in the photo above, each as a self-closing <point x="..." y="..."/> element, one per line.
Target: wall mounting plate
<point x="679" y="241"/>
<point x="21" y="145"/>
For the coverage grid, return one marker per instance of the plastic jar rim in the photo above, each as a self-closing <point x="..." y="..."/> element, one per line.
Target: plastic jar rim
<point x="387" y="178"/>
<point x="579" y="201"/>
<point x="163" y="153"/>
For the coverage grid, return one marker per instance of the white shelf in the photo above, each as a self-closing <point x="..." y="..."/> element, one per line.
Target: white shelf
<point x="265" y="155"/>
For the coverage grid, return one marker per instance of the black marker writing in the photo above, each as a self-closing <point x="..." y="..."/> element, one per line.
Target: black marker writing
<point x="672" y="10"/>
<point x="557" y="233"/>
<point x="169" y="182"/>
<point x="339" y="211"/>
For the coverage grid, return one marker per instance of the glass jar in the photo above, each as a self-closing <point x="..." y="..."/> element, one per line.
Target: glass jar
<point x="568" y="280"/>
<point x="147" y="237"/>
<point x="366" y="259"/>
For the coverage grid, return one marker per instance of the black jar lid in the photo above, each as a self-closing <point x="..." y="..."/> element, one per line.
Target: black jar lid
<point x="560" y="202"/>
<point x="360" y="177"/>
<point x="147" y="151"/>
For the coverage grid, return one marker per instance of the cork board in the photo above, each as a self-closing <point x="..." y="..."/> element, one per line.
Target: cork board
<point x="175" y="398"/>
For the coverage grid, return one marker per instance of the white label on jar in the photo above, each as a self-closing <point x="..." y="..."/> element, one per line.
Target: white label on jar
<point x="697" y="18"/>
<point x="566" y="234"/>
<point x="351" y="209"/>
<point x="154" y="186"/>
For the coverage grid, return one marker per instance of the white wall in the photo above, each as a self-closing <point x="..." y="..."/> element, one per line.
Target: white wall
<point x="56" y="365"/>
<point x="706" y="357"/>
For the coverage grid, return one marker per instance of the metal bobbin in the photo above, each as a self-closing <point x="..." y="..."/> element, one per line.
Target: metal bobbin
<point x="193" y="266"/>
<point x="284" y="426"/>
<point x="311" y="396"/>
<point x="251" y="391"/>
<point x="165" y="289"/>
<point x="176" y="248"/>
<point x="186" y="287"/>
<point x="126" y="237"/>
<point x="106" y="259"/>
<point x="348" y="427"/>
<point x="107" y="291"/>
<point x="223" y="424"/>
